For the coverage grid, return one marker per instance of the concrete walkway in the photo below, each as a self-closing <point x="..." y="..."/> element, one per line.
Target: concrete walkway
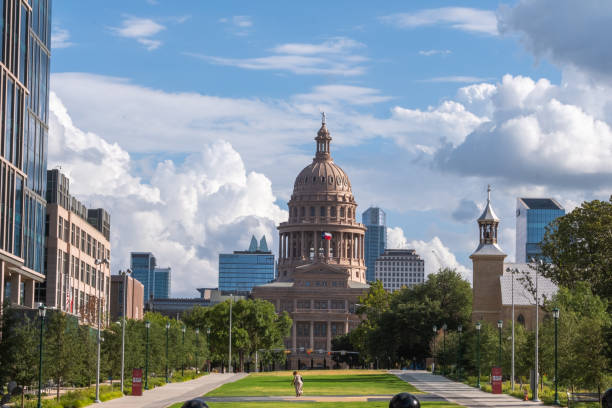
<point x="162" y="397"/>
<point x="459" y="393"/>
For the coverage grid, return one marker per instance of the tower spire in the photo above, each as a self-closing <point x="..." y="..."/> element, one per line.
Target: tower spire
<point x="488" y="193"/>
<point x="323" y="140"/>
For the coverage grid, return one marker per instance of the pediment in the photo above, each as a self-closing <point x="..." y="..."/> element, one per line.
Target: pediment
<point x="320" y="268"/>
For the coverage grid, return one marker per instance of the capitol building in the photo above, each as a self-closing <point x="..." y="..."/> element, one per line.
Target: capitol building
<point x="321" y="266"/>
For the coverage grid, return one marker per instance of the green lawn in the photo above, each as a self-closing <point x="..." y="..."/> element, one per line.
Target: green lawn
<point x="325" y="382"/>
<point x="382" y="404"/>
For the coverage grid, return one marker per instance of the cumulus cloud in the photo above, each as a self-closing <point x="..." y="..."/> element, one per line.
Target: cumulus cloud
<point x="140" y="29"/>
<point x="568" y="32"/>
<point x="435" y="254"/>
<point x="459" y="18"/>
<point x="189" y="211"/>
<point x="534" y="137"/>
<point x="335" y="56"/>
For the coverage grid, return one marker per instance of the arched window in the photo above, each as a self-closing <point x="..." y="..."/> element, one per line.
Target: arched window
<point x="521" y="319"/>
<point x="322" y="213"/>
<point x="333" y="212"/>
<point x="349" y="213"/>
<point x="312" y="211"/>
<point x="341" y="212"/>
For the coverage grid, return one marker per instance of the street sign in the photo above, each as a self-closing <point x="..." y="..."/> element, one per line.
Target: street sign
<point x="137" y="382"/>
<point x="496" y="380"/>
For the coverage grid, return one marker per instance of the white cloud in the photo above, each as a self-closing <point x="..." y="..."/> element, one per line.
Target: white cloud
<point x="429" y="53"/>
<point x="459" y="18"/>
<point x="186" y="214"/>
<point x="455" y="78"/>
<point x="435" y="254"/>
<point x="333" y="57"/>
<point x="238" y="25"/>
<point x="570" y="33"/>
<point x="60" y="38"/>
<point x="345" y="94"/>
<point x="140" y="29"/>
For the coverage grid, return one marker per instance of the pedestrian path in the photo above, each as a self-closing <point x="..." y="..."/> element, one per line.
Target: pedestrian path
<point x="459" y="393"/>
<point x="162" y="397"/>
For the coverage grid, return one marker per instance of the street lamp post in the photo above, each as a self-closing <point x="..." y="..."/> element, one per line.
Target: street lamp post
<point x="148" y="326"/>
<point x="459" y="330"/>
<point x="123" y="322"/>
<point x="478" y="326"/>
<point x="197" y="332"/>
<point x="99" y="279"/>
<point x="209" y="350"/>
<point x="444" y="327"/>
<point x="229" y="363"/>
<point x="183" y="352"/>
<point x="556" y="317"/>
<point x="167" y="335"/>
<point x="435" y="330"/>
<point x="500" y="324"/>
<point x="538" y="263"/>
<point x="42" y="310"/>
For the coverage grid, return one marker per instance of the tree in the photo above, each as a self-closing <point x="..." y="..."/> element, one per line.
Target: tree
<point x="579" y="246"/>
<point x="60" y="343"/>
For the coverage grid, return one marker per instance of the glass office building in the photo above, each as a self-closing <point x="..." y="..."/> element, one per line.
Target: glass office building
<point x="156" y="281"/>
<point x="375" y="221"/>
<point x="25" y="42"/>
<point x="241" y="270"/>
<point x="533" y="215"/>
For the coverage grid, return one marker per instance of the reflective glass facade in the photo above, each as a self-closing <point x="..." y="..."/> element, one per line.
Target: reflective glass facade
<point x="240" y="271"/>
<point x="375" y="221"/>
<point x="24" y="103"/>
<point x="156" y="281"/>
<point x="532" y="218"/>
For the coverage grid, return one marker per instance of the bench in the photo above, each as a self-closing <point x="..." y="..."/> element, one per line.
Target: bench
<point x="583" y="397"/>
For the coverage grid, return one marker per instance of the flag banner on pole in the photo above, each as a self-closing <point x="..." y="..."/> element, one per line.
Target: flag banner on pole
<point x="326" y="235"/>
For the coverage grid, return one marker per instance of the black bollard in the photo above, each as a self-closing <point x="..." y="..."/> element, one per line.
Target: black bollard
<point x="404" y="400"/>
<point x="195" y="403"/>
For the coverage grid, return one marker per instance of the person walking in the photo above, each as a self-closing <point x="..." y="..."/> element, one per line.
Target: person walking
<point x="298" y="383"/>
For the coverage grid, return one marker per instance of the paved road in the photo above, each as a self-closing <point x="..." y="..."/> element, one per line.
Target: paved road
<point x="162" y="397"/>
<point x="458" y="392"/>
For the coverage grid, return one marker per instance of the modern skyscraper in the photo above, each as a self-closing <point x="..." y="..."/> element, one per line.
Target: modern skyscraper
<point x="533" y="215"/>
<point x="375" y="221"/>
<point x="156" y="281"/>
<point x="241" y="270"/>
<point x="396" y="268"/>
<point x="77" y="281"/>
<point x="25" y="41"/>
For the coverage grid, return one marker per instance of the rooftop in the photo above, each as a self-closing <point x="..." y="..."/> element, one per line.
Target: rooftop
<point x="541" y="203"/>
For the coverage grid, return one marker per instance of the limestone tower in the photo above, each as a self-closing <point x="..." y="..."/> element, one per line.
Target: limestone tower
<point x="488" y="266"/>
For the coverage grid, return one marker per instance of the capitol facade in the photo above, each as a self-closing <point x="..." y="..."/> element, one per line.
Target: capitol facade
<point x="321" y="266"/>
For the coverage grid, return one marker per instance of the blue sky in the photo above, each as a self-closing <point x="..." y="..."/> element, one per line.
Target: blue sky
<point x="427" y="101"/>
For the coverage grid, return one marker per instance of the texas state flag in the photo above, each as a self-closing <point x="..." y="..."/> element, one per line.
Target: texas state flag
<point x="326" y="235"/>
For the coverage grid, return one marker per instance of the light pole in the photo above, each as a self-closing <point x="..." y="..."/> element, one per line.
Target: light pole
<point x="513" y="321"/>
<point x="444" y="349"/>
<point x="42" y="310"/>
<point x="459" y="330"/>
<point x="147" y="325"/>
<point x="537" y="330"/>
<point x="183" y="353"/>
<point x="229" y="363"/>
<point x="209" y="349"/>
<point x="99" y="280"/>
<point x="167" y="332"/>
<point x="556" y="317"/>
<point x="435" y="330"/>
<point x="500" y="324"/>
<point x="123" y="322"/>
<point x="478" y="326"/>
<point x="197" y="332"/>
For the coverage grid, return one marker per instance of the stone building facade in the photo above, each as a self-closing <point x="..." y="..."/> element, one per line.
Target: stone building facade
<point x="321" y="266"/>
<point x="498" y="285"/>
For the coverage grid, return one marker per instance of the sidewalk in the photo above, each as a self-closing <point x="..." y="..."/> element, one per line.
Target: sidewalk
<point x="459" y="393"/>
<point x="162" y="397"/>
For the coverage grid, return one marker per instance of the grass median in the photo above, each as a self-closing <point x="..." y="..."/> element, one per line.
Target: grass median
<point x="301" y="404"/>
<point x="323" y="382"/>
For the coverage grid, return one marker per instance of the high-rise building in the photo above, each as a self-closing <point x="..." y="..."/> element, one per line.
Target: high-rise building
<point x="397" y="268"/>
<point x="241" y="270"/>
<point x="25" y="41"/>
<point x="133" y="291"/>
<point x="78" y="256"/>
<point x="375" y="221"/>
<point x="533" y="215"/>
<point x="156" y="281"/>
<point x="321" y="267"/>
